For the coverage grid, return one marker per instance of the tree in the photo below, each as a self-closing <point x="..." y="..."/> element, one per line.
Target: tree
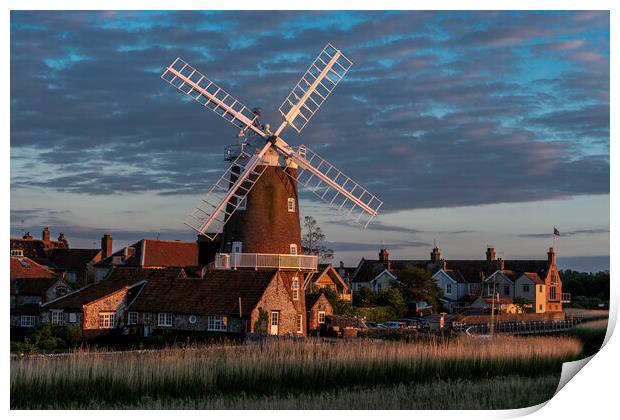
<point x="416" y="284"/>
<point x="521" y="303"/>
<point x="364" y="297"/>
<point x="260" y="326"/>
<point x="312" y="240"/>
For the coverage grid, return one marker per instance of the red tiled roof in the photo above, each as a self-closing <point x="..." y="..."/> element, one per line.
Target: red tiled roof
<point x="24" y="267"/>
<point x="157" y="254"/>
<point x="534" y="277"/>
<point x="217" y="294"/>
<point x="34" y="248"/>
<point x="118" y="279"/>
<point x="72" y="258"/>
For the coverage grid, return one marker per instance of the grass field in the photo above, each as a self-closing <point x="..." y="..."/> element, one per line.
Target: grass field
<point x="302" y="374"/>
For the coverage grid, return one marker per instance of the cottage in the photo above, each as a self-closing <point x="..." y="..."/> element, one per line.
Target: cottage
<point x="222" y="302"/>
<point x="100" y="307"/>
<point x="328" y="277"/>
<point x="31" y="285"/>
<point x="319" y="309"/>
<point x="532" y="289"/>
<point x="382" y="274"/>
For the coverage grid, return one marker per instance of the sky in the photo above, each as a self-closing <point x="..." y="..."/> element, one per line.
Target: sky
<point x="474" y="128"/>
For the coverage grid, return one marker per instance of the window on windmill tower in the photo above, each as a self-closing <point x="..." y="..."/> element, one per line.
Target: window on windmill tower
<point x="295" y="288"/>
<point x="293" y="249"/>
<point x="243" y="204"/>
<point x="291" y="205"/>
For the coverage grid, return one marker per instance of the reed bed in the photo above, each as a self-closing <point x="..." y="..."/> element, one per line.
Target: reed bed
<point x="591" y="334"/>
<point x="276" y="367"/>
<point x="492" y="394"/>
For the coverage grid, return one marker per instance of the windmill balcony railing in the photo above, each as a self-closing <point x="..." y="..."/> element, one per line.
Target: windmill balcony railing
<point x="256" y="261"/>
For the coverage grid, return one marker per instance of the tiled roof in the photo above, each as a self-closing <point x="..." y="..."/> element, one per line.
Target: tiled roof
<point x="472" y="271"/>
<point x="157" y="254"/>
<point x="534" y="277"/>
<point x="217" y="294"/>
<point x="72" y="258"/>
<point x="455" y="275"/>
<point x="311" y="299"/>
<point x="34" y="248"/>
<point x="24" y="267"/>
<point x="331" y="272"/>
<point x="119" y="278"/>
<point x="539" y="267"/>
<point x="32" y="286"/>
<point x="369" y="269"/>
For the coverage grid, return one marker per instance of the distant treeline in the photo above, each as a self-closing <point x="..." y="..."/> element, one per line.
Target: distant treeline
<point x="586" y="289"/>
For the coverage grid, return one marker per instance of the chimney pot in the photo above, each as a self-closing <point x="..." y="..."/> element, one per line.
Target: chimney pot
<point x="551" y="256"/>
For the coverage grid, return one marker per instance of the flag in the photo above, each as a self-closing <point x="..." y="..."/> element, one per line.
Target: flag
<point x="556" y="232"/>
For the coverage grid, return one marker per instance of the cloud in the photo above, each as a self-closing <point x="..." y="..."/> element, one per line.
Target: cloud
<point x="438" y="110"/>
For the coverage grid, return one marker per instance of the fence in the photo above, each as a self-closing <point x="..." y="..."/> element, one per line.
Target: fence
<point x="517" y="327"/>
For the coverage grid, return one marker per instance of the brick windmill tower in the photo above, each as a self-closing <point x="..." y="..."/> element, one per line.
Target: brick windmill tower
<point x="254" y="205"/>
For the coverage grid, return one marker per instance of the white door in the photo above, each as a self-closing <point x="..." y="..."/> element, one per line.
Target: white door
<point x="237" y="247"/>
<point x="275" y="320"/>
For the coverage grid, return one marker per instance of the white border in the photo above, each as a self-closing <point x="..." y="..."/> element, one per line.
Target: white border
<point x="592" y="394"/>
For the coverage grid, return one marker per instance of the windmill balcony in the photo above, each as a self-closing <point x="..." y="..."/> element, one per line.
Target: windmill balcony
<point x="237" y="260"/>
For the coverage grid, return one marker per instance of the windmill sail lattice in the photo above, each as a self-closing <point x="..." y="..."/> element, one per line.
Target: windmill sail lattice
<point x="196" y="85"/>
<point x="314" y="87"/>
<point x="334" y="187"/>
<point x="223" y="199"/>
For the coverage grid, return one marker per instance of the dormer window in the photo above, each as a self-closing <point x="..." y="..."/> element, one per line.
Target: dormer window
<point x="17" y="253"/>
<point x="291" y="205"/>
<point x="293" y="249"/>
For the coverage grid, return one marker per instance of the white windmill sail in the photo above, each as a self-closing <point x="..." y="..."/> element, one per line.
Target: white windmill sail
<point x="196" y="85"/>
<point x="314" y="87"/>
<point x="333" y="187"/>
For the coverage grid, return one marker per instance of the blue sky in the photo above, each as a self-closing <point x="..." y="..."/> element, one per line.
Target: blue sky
<point x="475" y="128"/>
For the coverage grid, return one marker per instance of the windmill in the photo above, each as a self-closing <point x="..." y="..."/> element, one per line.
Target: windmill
<point x="253" y="205"/>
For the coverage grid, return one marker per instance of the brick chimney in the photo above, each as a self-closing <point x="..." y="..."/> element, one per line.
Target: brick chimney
<point x="384" y="258"/>
<point x="500" y="264"/>
<point x="551" y="256"/>
<point x="106" y="245"/>
<point x="45" y="235"/>
<point x="442" y="264"/>
<point x="490" y="254"/>
<point x="435" y="255"/>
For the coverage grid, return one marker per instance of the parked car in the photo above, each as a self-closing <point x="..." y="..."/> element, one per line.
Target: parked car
<point x="421" y="323"/>
<point x="390" y="325"/>
<point x="421" y="308"/>
<point x="412" y="323"/>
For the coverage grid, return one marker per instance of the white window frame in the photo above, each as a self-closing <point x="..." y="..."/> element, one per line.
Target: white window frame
<point x="132" y="318"/>
<point x="293" y="249"/>
<point x="27" y="321"/>
<point x="192" y="319"/>
<point x="321" y="317"/>
<point x="448" y="288"/>
<point x="17" y="253"/>
<point x="290" y="206"/>
<point x="57" y="317"/>
<point x="107" y="320"/>
<point x="295" y="287"/>
<point x="72" y="317"/>
<point x="164" y="319"/>
<point x="217" y="323"/>
<point x="300" y="322"/>
<point x="71" y="276"/>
